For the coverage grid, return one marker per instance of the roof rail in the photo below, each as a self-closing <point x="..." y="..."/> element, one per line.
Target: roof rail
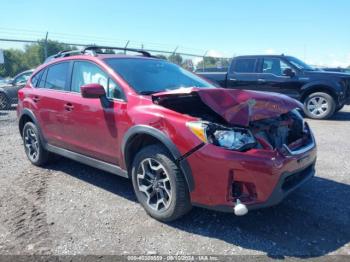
<point x="65" y="53"/>
<point x="95" y="48"/>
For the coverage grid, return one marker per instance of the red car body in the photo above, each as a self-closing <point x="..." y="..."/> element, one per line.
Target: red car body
<point x="216" y="177"/>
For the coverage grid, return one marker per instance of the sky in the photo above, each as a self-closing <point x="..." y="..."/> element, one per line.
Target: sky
<point x="315" y="31"/>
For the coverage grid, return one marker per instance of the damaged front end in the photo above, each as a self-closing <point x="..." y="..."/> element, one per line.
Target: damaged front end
<point x="288" y="133"/>
<point x="241" y="120"/>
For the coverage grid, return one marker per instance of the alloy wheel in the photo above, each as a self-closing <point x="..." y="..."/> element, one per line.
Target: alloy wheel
<point x="153" y="182"/>
<point x="317" y="106"/>
<point x="31" y="144"/>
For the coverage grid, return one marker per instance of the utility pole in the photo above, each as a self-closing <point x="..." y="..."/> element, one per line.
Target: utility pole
<point x="203" y="66"/>
<point x="127" y="43"/>
<point x="45" y="44"/>
<point x="174" y="52"/>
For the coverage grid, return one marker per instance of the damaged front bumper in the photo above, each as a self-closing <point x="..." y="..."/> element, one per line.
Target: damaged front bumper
<point x="264" y="177"/>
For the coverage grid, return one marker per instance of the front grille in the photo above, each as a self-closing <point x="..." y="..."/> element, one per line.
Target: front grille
<point x="296" y="178"/>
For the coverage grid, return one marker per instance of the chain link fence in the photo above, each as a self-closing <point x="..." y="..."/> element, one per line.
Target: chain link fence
<point x="19" y="55"/>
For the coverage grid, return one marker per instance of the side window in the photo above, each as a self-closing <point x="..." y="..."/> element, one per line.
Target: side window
<point x="36" y="78"/>
<point x="57" y="76"/>
<point x="244" y="65"/>
<point x="42" y="81"/>
<point x="274" y="66"/>
<point x="114" y="90"/>
<point x="87" y="73"/>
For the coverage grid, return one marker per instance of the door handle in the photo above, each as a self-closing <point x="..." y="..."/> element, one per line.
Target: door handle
<point x="232" y="79"/>
<point x="68" y="107"/>
<point x="36" y="99"/>
<point x="261" y="80"/>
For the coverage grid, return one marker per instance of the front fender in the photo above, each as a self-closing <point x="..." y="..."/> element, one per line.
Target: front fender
<point x="332" y="85"/>
<point x="166" y="141"/>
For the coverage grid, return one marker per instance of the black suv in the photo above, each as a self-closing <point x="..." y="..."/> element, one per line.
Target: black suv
<point x="322" y="93"/>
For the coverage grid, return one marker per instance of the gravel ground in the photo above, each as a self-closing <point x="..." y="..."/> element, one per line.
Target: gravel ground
<point x="68" y="209"/>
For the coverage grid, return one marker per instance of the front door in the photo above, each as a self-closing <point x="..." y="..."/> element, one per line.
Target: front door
<point x="272" y="77"/>
<point x="89" y="128"/>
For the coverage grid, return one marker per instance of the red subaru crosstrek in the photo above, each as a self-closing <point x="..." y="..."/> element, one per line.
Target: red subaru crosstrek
<point x="180" y="139"/>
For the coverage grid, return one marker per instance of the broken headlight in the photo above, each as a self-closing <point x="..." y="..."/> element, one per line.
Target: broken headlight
<point x="233" y="138"/>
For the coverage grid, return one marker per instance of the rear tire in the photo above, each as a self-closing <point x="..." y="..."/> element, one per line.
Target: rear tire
<point x="33" y="146"/>
<point x="5" y="103"/>
<point x="319" y="105"/>
<point x="159" y="185"/>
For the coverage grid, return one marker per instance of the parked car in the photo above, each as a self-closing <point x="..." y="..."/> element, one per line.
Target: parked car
<point x="322" y="93"/>
<point x="9" y="90"/>
<point x="337" y="69"/>
<point x="2" y="80"/>
<point x="181" y="140"/>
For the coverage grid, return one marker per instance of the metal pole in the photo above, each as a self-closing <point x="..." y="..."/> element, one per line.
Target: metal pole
<point x="203" y="66"/>
<point x="127" y="43"/>
<point x="174" y="52"/>
<point x="45" y="44"/>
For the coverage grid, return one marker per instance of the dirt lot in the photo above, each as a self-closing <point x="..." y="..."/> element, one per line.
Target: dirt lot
<point x="69" y="208"/>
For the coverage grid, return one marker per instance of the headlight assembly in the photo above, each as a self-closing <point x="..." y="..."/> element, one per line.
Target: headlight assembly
<point x="232" y="138"/>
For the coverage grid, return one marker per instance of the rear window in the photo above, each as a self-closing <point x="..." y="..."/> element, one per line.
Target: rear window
<point x="246" y="65"/>
<point x="36" y="78"/>
<point x="57" y="76"/>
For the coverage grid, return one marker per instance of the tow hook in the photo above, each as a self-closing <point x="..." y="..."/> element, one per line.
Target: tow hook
<point x="240" y="209"/>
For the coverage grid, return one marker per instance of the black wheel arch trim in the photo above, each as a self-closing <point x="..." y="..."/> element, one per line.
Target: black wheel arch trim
<point x="327" y="85"/>
<point x="159" y="135"/>
<point x="31" y="115"/>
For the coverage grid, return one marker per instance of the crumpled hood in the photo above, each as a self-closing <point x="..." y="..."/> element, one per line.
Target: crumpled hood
<point x="238" y="107"/>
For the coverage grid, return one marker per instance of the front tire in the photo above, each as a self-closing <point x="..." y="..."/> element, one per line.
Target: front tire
<point x="33" y="146"/>
<point x="159" y="185"/>
<point x="319" y="105"/>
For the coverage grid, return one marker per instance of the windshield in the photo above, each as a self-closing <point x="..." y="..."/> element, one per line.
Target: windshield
<point x="149" y="76"/>
<point x="299" y="64"/>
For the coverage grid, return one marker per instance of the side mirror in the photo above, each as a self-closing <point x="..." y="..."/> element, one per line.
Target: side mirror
<point x="95" y="91"/>
<point x="288" y="72"/>
<point x="92" y="91"/>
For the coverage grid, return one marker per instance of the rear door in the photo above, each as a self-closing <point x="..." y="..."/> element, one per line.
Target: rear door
<point x="48" y="101"/>
<point x="89" y="128"/>
<point x="271" y="77"/>
<point x="242" y="74"/>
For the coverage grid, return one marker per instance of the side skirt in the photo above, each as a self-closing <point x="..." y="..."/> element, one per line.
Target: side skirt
<point x="88" y="160"/>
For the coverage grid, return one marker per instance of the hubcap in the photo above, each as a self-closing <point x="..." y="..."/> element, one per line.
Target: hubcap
<point x="153" y="182"/>
<point x="317" y="106"/>
<point x="31" y="144"/>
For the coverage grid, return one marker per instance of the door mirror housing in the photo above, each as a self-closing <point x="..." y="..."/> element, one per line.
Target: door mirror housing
<point x="92" y="91"/>
<point x="95" y="91"/>
<point x="288" y="72"/>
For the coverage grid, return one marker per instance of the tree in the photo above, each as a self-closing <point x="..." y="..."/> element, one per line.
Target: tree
<point x="188" y="64"/>
<point x="17" y="60"/>
<point x="175" y="58"/>
<point x="213" y="62"/>
<point x="162" y="57"/>
<point x="14" y="62"/>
